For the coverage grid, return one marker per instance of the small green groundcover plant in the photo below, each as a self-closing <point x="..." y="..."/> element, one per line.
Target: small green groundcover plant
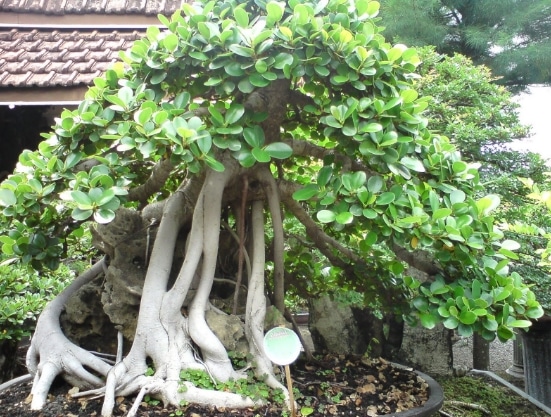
<point x="250" y="387"/>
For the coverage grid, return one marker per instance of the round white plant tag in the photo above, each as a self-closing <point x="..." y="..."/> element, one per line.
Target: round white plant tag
<point x="282" y="345"/>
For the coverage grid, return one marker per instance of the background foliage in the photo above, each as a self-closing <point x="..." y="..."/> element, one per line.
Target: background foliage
<point x="509" y="36"/>
<point x="24" y="294"/>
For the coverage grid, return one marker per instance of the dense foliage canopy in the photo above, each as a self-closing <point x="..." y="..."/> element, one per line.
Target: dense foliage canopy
<point x="236" y="108"/>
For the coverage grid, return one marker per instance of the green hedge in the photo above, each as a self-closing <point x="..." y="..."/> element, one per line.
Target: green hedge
<point x="24" y="294"/>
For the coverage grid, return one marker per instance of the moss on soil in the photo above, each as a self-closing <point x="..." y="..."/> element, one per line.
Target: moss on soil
<point x="485" y="392"/>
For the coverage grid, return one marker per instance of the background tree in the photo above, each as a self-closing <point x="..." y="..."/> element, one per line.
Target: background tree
<point x="236" y="109"/>
<point x="481" y="118"/>
<point x="511" y="37"/>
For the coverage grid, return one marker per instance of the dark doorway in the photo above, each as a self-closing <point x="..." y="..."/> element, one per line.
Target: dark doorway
<point x="20" y="128"/>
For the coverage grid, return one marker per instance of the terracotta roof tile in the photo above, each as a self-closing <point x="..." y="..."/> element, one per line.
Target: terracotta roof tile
<point x="61" y="7"/>
<point x="52" y="58"/>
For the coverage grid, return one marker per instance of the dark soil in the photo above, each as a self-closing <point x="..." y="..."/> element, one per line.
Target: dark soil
<point x="332" y="386"/>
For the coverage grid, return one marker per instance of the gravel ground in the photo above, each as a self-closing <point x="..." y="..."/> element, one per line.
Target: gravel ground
<point x="501" y="354"/>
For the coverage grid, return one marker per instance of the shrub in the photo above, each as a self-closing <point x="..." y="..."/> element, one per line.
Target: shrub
<point x="23" y="296"/>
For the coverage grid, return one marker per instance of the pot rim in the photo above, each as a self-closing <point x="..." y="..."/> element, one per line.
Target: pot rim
<point x="431" y="406"/>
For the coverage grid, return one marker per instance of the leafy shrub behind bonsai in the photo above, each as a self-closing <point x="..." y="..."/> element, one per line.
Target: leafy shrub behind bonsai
<point x="23" y="296"/>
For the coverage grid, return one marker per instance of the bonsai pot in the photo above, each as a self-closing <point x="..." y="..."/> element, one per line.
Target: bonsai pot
<point x="536" y="346"/>
<point x="301" y="319"/>
<point x="431" y="406"/>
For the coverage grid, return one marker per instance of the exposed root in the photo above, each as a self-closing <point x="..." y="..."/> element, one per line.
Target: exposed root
<point x="51" y="353"/>
<point x="171" y="340"/>
<point x="256" y="304"/>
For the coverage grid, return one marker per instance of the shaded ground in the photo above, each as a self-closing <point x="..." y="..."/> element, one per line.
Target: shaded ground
<point x="344" y="386"/>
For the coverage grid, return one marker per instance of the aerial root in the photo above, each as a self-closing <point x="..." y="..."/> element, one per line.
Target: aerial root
<point x="175" y="393"/>
<point x="150" y="388"/>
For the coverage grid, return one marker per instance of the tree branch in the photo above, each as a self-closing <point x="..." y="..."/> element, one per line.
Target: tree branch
<point x="323" y="241"/>
<point x="271" y="188"/>
<point x="160" y="173"/>
<point x="307" y="149"/>
<point x="421" y="260"/>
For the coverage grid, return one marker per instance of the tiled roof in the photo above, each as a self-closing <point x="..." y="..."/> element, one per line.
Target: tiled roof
<point x="78" y="7"/>
<point x="59" y="58"/>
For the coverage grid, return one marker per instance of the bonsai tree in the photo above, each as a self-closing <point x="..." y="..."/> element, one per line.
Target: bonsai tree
<point x="235" y="117"/>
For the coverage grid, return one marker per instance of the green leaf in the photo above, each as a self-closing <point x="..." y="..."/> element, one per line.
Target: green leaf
<point x="204" y="142"/>
<point x="413" y="163"/>
<point x="242" y="50"/>
<point x="375" y="184"/>
<point x="258" y="80"/>
<point x="501" y="294"/>
<point x="326" y="216"/>
<point x="476" y="287"/>
<point x="428" y="320"/>
<point x="81" y="215"/>
<point x="275" y="11"/>
<point x="7" y="197"/>
<point x="488" y="203"/>
<point x="465" y="330"/>
<point x="321" y="70"/>
<point x="261" y="66"/>
<point x="241" y="17"/>
<point x="451" y="323"/>
<point x="142" y="116"/>
<point x="324" y="175"/>
<point x="82" y="199"/>
<point x="523" y="324"/>
<point x="306" y="411"/>
<point x="420" y="303"/>
<point x="394" y="53"/>
<point x="301" y="14"/>
<point x="370" y="214"/>
<point x="245" y="158"/>
<point x="105" y="197"/>
<point x="441" y="213"/>
<point x="254" y="136"/>
<point x="214" y="164"/>
<point x="534" y="312"/>
<point x="353" y="181"/>
<point x="511" y="245"/>
<point x="400" y="169"/>
<point x="371" y="128"/>
<point x="170" y="42"/>
<point x="459" y="167"/>
<point x="283" y="59"/>
<point x="409" y="96"/>
<point x="104" y="216"/>
<point x="505" y="333"/>
<point x="457" y="196"/>
<point x="261" y="155"/>
<point x="279" y="150"/>
<point x="490" y="324"/>
<point x="305" y="193"/>
<point x="385" y="198"/>
<point x="234" y="69"/>
<point x="234" y="113"/>
<point x="467" y="317"/>
<point x="245" y="86"/>
<point x="370" y="239"/>
<point x="230" y="130"/>
<point x="344" y="218"/>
